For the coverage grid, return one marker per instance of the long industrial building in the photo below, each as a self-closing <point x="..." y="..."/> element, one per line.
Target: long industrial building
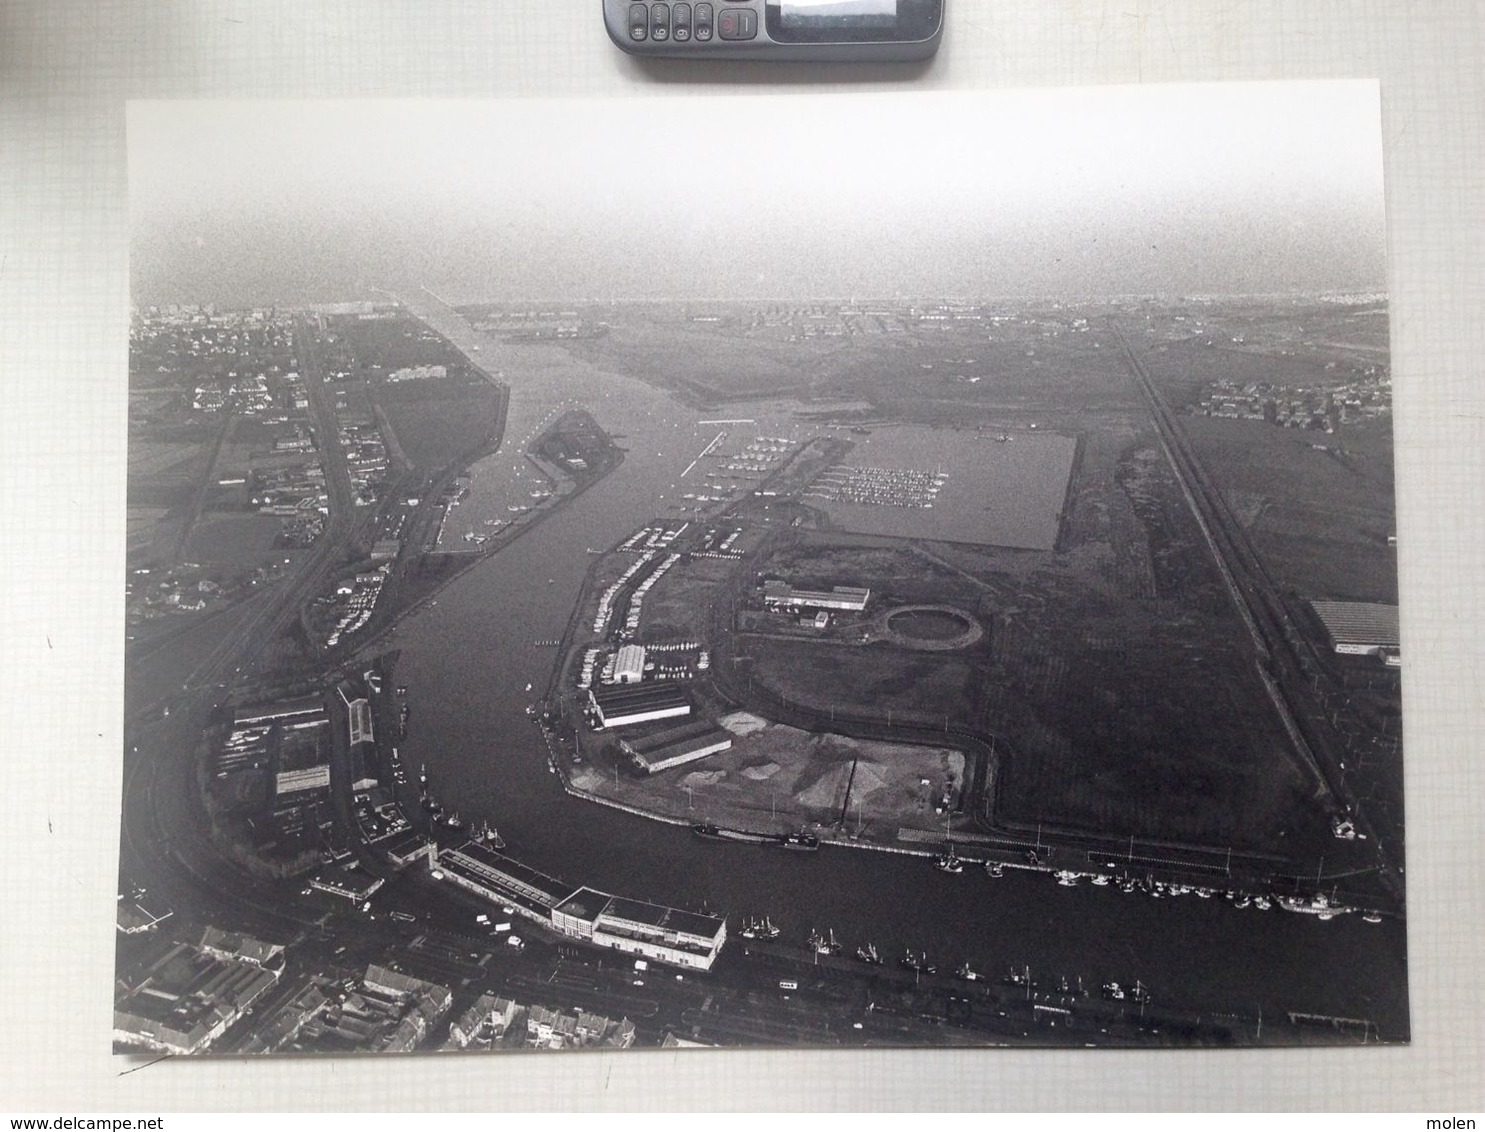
<point x="501" y="879"/>
<point x="1360" y="628"/>
<point x="676" y="746"/>
<point x="303" y="711"/>
<point x="621" y="707"/>
<point x="781" y="595"/>
<point x="649" y="931"/>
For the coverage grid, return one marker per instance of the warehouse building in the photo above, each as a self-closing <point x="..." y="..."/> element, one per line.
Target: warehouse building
<point x="622" y="707"/>
<point x="648" y="931"/>
<point x="500" y="879"/>
<point x="629" y="666"/>
<point x="675" y="746"/>
<point x="781" y="595"/>
<point x="358" y="713"/>
<point x="187" y="998"/>
<point x="348" y="883"/>
<point x="302" y="778"/>
<point x="304" y="711"/>
<point x="1358" y="628"/>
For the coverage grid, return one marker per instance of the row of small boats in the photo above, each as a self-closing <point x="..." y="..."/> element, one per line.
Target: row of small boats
<point x="825" y="943"/>
<point x="1320" y="905"/>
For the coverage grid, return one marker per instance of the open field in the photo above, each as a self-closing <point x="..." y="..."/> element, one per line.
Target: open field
<point x="1115" y="674"/>
<point x="778" y="778"/>
<point x="162" y="460"/>
<point x="238" y="540"/>
<point x="439" y="420"/>
<point x="909" y="362"/>
<point x="374" y="347"/>
<point x="1320" y="518"/>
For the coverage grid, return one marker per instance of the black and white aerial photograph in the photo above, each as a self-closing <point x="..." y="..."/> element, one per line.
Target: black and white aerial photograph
<point x="897" y="570"/>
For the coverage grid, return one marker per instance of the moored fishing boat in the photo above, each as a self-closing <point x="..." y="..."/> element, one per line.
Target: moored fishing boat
<point x="1318" y="905"/>
<point x="824" y="944"/>
<point x="949" y="862"/>
<point x="760" y="927"/>
<point x="918" y="964"/>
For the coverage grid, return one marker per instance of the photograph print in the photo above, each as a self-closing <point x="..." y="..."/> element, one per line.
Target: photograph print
<point x="781" y="571"/>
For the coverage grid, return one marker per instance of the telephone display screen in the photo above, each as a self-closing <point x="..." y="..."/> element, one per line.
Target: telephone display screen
<point x="838" y="13"/>
<point x="852" y="21"/>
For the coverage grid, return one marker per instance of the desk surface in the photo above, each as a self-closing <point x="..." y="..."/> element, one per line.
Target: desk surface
<point x="66" y="67"/>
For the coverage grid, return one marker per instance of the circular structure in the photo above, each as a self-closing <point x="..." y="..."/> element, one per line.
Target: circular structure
<point x="930" y="628"/>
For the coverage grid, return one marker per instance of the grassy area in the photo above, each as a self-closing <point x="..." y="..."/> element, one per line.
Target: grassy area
<point x="1116" y="674"/>
<point x="778" y="779"/>
<point x="440" y="420"/>
<point x="1320" y="518"/>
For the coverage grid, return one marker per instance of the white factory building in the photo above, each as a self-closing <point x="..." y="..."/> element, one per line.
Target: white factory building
<point x="622" y="707"/>
<point x="636" y="927"/>
<point x="629" y="666"/>
<point x="781" y="595"/>
<point x="642" y="929"/>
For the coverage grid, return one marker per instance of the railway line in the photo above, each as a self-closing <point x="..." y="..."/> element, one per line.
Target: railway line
<point x="1283" y="656"/>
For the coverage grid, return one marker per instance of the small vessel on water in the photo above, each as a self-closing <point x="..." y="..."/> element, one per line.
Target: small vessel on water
<point x="867" y="953"/>
<point x="1318" y="905"/>
<point x="995" y="868"/>
<point x="759" y="928"/>
<point x="969" y="975"/>
<point x="1067" y="878"/>
<point x="824" y="944"/>
<point x="486" y="834"/>
<point x="918" y="964"/>
<point x="713" y="832"/>
<point x="949" y="862"/>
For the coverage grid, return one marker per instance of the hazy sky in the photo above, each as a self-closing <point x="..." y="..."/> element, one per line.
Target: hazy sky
<point x="1116" y="190"/>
